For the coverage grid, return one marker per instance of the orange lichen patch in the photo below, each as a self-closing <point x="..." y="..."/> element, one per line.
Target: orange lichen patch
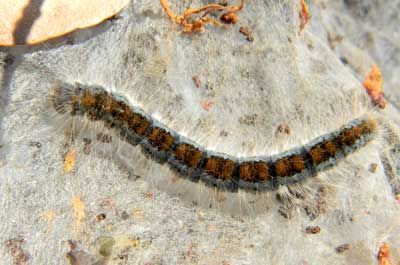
<point x="137" y="213"/>
<point x="69" y="161"/>
<point x="254" y="171"/>
<point x="206" y="105"/>
<point x="188" y="155"/>
<point x="373" y="84"/>
<point x="49" y="216"/>
<point x="160" y="139"/>
<point x="79" y="211"/>
<point x="31" y="22"/>
<point x="197" y="25"/>
<point x="124" y="242"/>
<point x="219" y="167"/>
<point x="384" y="255"/>
<point x="304" y="16"/>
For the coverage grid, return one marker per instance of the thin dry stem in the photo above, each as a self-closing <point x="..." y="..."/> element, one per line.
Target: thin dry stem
<point x="190" y="27"/>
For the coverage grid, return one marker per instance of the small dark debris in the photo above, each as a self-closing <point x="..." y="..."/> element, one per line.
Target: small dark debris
<point x="296" y="193"/>
<point x="133" y="177"/>
<point x="373" y="167"/>
<point x="87" y="140"/>
<point x="246" y="32"/>
<point x="101" y="217"/>
<point x="285" y="212"/>
<point x="7" y="60"/>
<point x="35" y="144"/>
<point x="229" y="18"/>
<point x="313" y="229"/>
<point x="87" y="148"/>
<point x="248" y="119"/>
<point x="342" y="248"/>
<point x="14" y="245"/>
<point x="114" y="18"/>
<point x="344" y="60"/>
<point x="124" y="215"/>
<point x="79" y="257"/>
<point x="223" y="3"/>
<point x="104" y="138"/>
<point x="72" y="244"/>
<point x="209" y="86"/>
<point x="283" y="128"/>
<point x="333" y="40"/>
<point x="311" y="212"/>
<point x="223" y="133"/>
<point x="196" y="80"/>
<point x="278" y="197"/>
<point x="123" y="256"/>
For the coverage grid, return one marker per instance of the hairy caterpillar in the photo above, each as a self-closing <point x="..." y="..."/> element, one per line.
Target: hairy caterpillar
<point x="195" y="162"/>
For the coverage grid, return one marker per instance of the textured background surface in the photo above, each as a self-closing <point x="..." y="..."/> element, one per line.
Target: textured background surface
<point x="307" y="82"/>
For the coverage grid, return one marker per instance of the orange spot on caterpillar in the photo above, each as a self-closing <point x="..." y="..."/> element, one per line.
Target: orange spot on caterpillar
<point x="304" y="16"/>
<point x="138" y="124"/>
<point x="188" y="155"/>
<point x="206" y="105"/>
<point x="257" y="171"/>
<point x="322" y="152"/>
<point x="160" y="139"/>
<point x="384" y="255"/>
<point x="289" y="165"/>
<point x="219" y="167"/>
<point x="373" y="84"/>
<point x="69" y="161"/>
<point x="88" y="100"/>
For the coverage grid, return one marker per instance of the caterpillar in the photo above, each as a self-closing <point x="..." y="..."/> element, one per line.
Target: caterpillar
<point x="196" y="163"/>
